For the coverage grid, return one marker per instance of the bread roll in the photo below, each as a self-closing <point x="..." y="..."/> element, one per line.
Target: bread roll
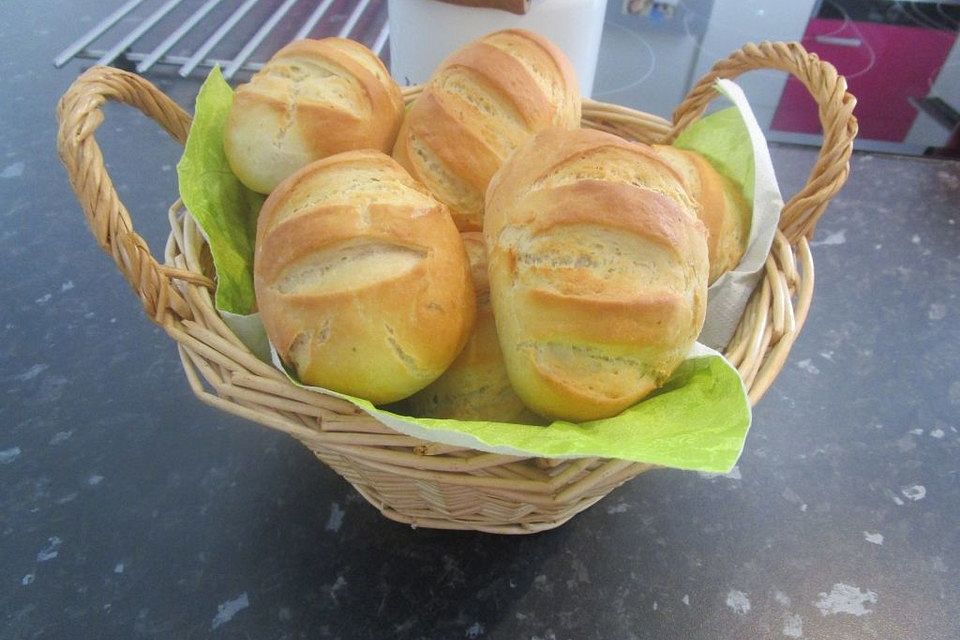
<point x="483" y="101"/>
<point x="361" y="278"/>
<point x="312" y="99"/>
<point x="721" y="207"/>
<point x="476" y="386"/>
<point x="598" y="272"/>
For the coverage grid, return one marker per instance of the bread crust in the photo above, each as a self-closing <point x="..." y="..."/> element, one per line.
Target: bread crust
<point x="481" y="103"/>
<point x="720" y="206"/>
<point x="312" y="99"/>
<point x="598" y="272"/>
<point x="476" y="386"/>
<point x="362" y="279"/>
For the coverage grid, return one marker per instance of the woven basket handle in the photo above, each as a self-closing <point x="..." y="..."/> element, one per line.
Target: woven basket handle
<point x="827" y="87"/>
<point x="80" y="113"/>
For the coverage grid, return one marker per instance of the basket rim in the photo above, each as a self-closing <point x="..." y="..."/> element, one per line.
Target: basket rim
<point x="410" y="480"/>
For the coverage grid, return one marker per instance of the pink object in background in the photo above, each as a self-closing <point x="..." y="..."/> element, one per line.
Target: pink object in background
<point x="885" y="64"/>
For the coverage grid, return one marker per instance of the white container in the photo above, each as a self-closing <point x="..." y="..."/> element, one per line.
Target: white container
<point x="424" y="32"/>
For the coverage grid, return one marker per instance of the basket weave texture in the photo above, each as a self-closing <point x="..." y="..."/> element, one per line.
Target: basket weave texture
<point x="409" y="480"/>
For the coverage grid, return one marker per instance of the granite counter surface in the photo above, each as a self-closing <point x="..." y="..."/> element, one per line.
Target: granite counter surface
<point x="129" y="509"/>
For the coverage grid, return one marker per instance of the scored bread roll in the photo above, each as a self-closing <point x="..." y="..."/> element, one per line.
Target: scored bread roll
<point x="598" y="272"/>
<point x="361" y="278"/>
<point x="721" y="207"/>
<point x="476" y="386"/>
<point x="481" y="103"/>
<point x="312" y="99"/>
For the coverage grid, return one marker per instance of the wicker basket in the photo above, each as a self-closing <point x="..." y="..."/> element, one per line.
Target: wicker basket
<point x="409" y="480"/>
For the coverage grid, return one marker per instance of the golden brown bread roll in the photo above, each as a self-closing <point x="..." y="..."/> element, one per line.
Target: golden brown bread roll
<point x="312" y="99"/>
<point x="476" y="386"/>
<point x="483" y="101"/>
<point x="361" y="278"/>
<point x="598" y="272"/>
<point x="721" y="207"/>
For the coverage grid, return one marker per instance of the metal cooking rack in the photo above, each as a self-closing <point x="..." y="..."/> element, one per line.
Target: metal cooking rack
<point x="207" y="27"/>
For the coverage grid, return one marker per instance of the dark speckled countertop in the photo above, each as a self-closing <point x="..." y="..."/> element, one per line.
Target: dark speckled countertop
<point x="128" y="509"/>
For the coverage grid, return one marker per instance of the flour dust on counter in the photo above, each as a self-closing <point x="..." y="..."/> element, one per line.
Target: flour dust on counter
<point x="227" y="610"/>
<point x="32" y="372"/>
<point x="51" y="550"/>
<point x="620" y="507"/>
<point x="873" y="538"/>
<point x="831" y="238"/>
<point x="14" y="170"/>
<point x="738" y="602"/>
<point x="937" y="311"/>
<point x="9" y="455"/>
<point x="733" y="474"/>
<point x="914" y="492"/>
<point x="897" y="500"/>
<point x="335" y="520"/>
<point x="792" y="625"/>
<point x="808" y="366"/>
<point x="846" y="599"/>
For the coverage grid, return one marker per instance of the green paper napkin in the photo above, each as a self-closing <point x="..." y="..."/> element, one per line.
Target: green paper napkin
<point x="225" y="209"/>
<point x="698" y="421"/>
<point x="722" y="139"/>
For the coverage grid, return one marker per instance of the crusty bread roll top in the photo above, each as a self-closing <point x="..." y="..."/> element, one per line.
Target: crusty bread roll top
<point x="720" y="205"/>
<point x="482" y="102"/>
<point x="598" y="272"/>
<point x="361" y="278"/>
<point x="312" y="99"/>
